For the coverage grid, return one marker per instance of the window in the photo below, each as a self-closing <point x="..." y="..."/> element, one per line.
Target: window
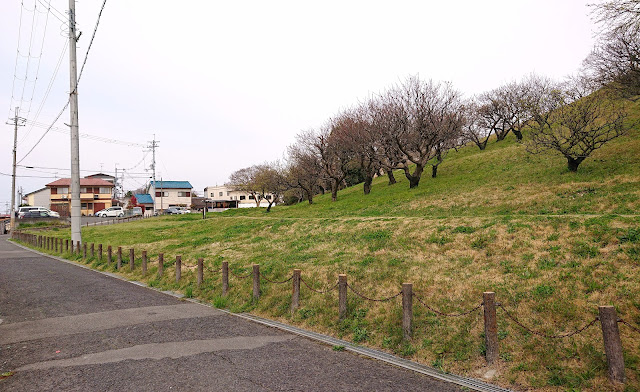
<point x="251" y="197"/>
<point x="211" y="194"/>
<point x="242" y="197"/>
<point x="54" y="191"/>
<point x="184" y="194"/>
<point x="228" y="193"/>
<point x="268" y="197"/>
<point x="104" y="190"/>
<point x="62" y="191"/>
<point x="83" y="206"/>
<point x="162" y="194"/>
<point x="219" y="193"/>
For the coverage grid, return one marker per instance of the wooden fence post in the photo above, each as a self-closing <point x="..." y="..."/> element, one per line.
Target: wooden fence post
<point x="84" y="251"/>
<point x="93" y="250"/>
<point x="612" y="343"/>
<point x="295" y="295"/>
<point x="66" y="246"/>
<point x="490" y="327"/>
<point x="119" y="261"/>
<point x="109" y="255"/>
<point x="178" y="268"/>
<point x="225" y="277"/>
<point x="160" y="264"/>
<point x="200" y="271"/>
<point x="256" y="281"/>
<point x="144" y="262"/>
<point x="132" y="259"/>
<point x="78" y="247"/>
<point x="100" y="252"/>
<point x="71" y="247"/>
<point x="342" y="296"/>
<point x="407" y="309"/>
<point x="55" y="245"/>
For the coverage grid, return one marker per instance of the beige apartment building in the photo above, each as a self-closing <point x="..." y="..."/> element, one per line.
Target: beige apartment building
<point x="222" y="193"/>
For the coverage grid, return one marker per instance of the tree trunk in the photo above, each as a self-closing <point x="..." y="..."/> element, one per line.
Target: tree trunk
<point x="482" y="145"/>
<point x="334" y="190"/>
<point x="309" y="195"/>
<point x="392" y="178"/>
<point x="367" y="185"/>
<point x="518" y="134"/>
<point x="269" y="206"/>
<point x="573" y="163"/>
<point x="414" y="178"/>
<point x="434" y="171"/>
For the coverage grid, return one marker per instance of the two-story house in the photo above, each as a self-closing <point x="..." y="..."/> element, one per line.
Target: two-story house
<point x="170" y="193"/>
<point x="95" y="195"/>
<point x="241" y="199"/>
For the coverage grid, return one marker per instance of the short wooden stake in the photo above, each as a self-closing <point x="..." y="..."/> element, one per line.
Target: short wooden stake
<point x="178" y="268"/>
<point x="200" y="271"/>
<point x="55" y="245"/>
<point x="295" y="294"/>
<point x="100" y="252"/>
<point x="66" y="246"/>
<point x="132" y="259"/>
<point x="342" y="296"/>
<point x="84" y="251"/>
<point x="71" y="248"/>
<point x="490" y="327"/>
<point x="612" y="343"/>
<point x="144" y="262"/>
<point x="407" y="310"/>
<point x="119" y="261"/>
<point x="93" y="250"/>
<point x="160" y="264"/>
<point x="109" y="254"/>
<point x="225" y="277"/>
<point x="78" y="247"/>
<point x="256" y="281"/>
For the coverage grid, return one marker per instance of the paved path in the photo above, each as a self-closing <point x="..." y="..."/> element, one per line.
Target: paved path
<point x="66" y="328"/>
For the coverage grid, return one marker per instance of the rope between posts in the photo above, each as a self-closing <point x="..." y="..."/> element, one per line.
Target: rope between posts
<point x="212" y="270"/>
<point x="318" y="291"/>
<point x="275" y="281"/>
<point x="439" y="313"/>
<point x="629" y="325"/>
<point x="373" y="299"/>
<point x="241" y="276"/>
<point x="577" y="331"/>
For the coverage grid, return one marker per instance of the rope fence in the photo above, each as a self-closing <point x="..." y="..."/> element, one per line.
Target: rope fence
<point x="607" y="314"/>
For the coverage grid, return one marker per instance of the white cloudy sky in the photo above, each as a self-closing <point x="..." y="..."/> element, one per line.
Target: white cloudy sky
<point x="224" y="85"/>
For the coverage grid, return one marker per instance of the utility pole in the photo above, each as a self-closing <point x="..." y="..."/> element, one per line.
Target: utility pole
<point x="17" y="122"/>
<point x="153" y="145"/>
<point x="76" y="219"/>
<point x="115" y="184"/>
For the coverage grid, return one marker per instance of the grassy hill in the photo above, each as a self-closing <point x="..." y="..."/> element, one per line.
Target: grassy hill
<point x="552" y="244"/>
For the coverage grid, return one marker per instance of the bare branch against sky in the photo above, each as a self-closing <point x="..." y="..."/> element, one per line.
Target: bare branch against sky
<point x="226" y="85"/>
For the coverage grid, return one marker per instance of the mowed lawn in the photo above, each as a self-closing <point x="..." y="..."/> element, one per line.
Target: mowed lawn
<point x="552" y="244"/>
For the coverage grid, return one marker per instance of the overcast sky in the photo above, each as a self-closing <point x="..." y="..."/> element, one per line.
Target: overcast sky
<point x="224" y="85"/>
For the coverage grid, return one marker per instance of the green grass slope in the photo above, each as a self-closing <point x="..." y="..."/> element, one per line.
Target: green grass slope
<point x="552" y="244"/>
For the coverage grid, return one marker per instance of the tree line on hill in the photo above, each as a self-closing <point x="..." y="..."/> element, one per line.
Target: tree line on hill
<point x="414" y="124"/>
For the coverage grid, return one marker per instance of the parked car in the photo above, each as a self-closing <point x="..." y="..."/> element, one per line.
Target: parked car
<point x="184" y="210"/>
<point x="174" y="211"/>
<point x="25" y="209"/>
<point x="115" y="211"/>
<point x="34" y="214"/>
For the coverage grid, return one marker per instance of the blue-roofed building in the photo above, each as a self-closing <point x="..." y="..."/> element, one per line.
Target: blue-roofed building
<point x="145" y="200"/>
<point x="167" y="194"/>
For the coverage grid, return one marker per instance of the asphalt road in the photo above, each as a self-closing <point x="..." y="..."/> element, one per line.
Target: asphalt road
<point x="66" y="328"/>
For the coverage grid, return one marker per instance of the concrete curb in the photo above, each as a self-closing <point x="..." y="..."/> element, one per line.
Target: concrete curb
<point x="466" y="382"/>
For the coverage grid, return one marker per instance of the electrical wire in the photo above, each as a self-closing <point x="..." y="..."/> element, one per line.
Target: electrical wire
<point x="86" y="56"/>
<point x="87" y="136"/>
<point x="15" y="68"/>
<point x="29" y="57"/>
<point x="35" y="80"/>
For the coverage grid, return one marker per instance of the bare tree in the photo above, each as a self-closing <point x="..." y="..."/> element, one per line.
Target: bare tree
<point x="243" y="180"/>
<point x="303" y="167"/>
<point x="262" y="182"/>
<point x="384" y="124"/>
<point x="571" y="124"/>
<point x="475" y="128"/>
<point x="354" y="131"/>
<point x="422" y="114"/>
<point x="334" y="157"/>
<point x="615" y="62"/>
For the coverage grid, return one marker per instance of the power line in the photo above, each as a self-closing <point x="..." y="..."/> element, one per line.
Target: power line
<point x="67" y="169"/>
<point x="78" y="81"/>
<point x="35" y="80"/>
<point x="87" y="136"/>
<point x="15" y="68"/>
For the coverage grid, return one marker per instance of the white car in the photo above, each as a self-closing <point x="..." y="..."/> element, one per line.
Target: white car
<point x="23" y="210"/>
<point x="115" y="211"/>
